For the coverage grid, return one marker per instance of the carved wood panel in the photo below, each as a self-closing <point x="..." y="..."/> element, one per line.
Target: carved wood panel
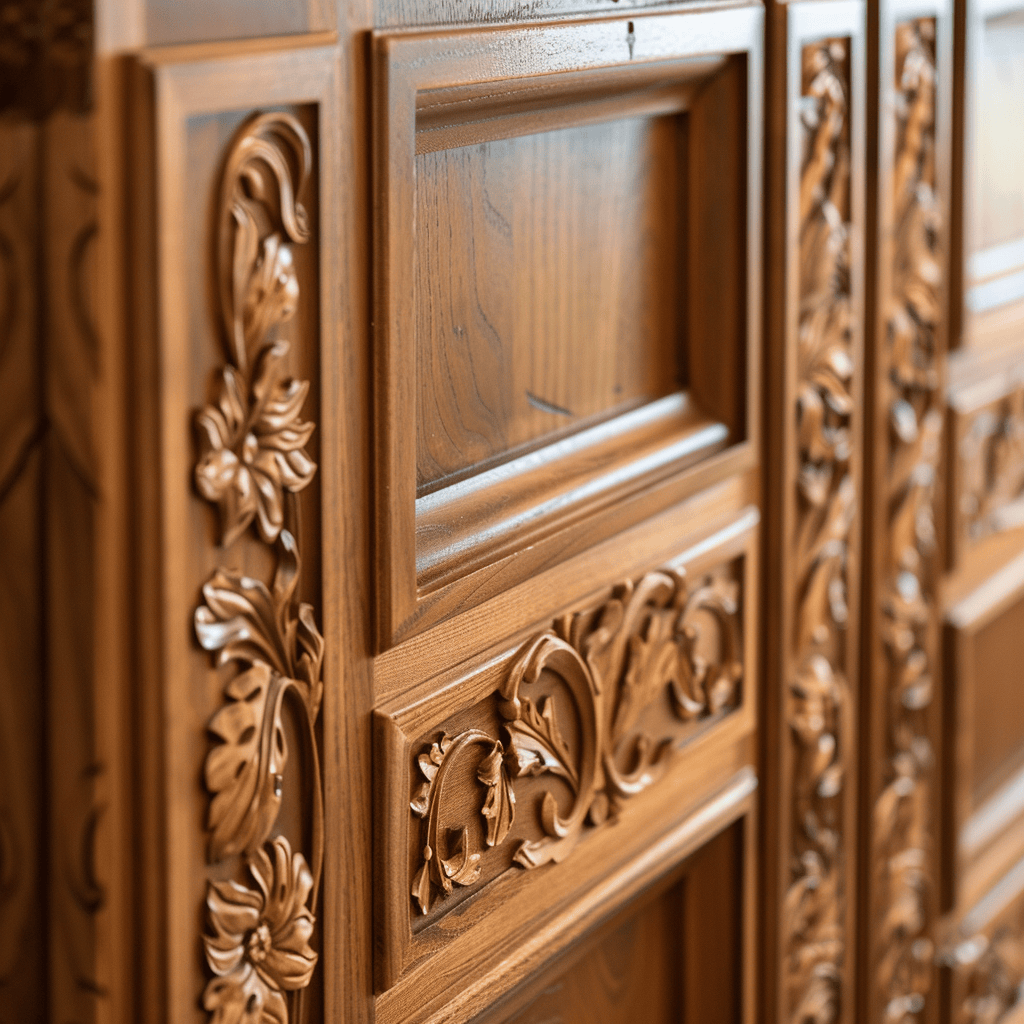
<point x="815" y="298"/>
<point x="233" y="602"/>
<point x="987" y="461"/>
<point x="253" y="455"/>
<point x="906" y="447"/>
<point x="498" y="774"/>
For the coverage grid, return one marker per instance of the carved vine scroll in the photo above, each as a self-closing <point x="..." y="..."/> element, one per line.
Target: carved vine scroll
<point x="901" y="841"/>
<point x="818" y="712"/>
<point x="258" y="946"/>
<point x="614" y="661"/>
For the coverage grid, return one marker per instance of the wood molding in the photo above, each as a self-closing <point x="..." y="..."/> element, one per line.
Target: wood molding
<point x="258" y="948"/>
<point x="907" y="450"/>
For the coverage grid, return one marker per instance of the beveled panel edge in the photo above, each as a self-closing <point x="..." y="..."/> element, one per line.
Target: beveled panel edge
<point x="408" y="62"/>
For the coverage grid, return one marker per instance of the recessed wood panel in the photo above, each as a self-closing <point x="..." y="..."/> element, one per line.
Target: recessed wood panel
<point x="673" y="955"/>
<point x="547" y="286"/>
<point x="998" y="700"/>
<point x="566" y="311"/>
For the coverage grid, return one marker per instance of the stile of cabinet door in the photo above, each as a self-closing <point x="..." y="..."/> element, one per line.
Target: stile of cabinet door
<point x="815" y="295"/>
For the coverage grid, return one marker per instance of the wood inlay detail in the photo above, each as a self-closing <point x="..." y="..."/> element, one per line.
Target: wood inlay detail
<point x="615" y="660"/>
<point x="258" y="947"/>
<point x="901" y="825"/>
<point x="818" y="707"/>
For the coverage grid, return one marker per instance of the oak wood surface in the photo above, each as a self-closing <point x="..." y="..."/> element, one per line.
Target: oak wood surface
<point x="504" y="360"/>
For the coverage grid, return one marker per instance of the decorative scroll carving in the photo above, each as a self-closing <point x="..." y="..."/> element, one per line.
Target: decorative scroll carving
<point x="254" y="451"/>
<point x="991" y="455"/>
<point x="615" y="661"/>
<point x="815" y="902"/>
<point x="45" y="62"/>
<point x="901" y="841"/>
<point x="995" y="980"/>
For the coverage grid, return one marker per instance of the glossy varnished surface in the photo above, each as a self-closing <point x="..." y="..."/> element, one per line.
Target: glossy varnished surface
<point x="504" y="356"/>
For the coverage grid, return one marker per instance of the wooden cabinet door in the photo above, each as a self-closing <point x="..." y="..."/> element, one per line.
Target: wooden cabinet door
<point x="444" y="355"/>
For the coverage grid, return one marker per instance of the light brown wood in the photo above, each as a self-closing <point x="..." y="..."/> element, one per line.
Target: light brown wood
<point x="474" y="572"/>
<point x="813" y="428"/>
<point x="911" y="64"/>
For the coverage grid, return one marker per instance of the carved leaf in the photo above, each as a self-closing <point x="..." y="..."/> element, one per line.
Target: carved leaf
<point x="245" y="769"/>
<point x="537" y="743"/>
<point x="265" y="170"/>
<point x="242" y="621"/>
<point x="500" y="804"/>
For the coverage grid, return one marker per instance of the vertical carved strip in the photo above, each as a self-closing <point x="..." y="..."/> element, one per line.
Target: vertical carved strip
<point x="901" y="827"/>
<point x="818" y="709"/>
<point x="253" y="455"/>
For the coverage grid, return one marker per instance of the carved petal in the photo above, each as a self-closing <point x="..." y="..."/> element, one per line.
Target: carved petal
<point x="244" y="770"/>
<point x="290" y="961"/>
<point x="239" y="998"/>
<point x="239" y="621"/>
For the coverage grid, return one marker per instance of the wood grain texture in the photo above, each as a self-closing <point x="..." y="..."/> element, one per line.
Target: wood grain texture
<point x="503" y="360"/>
<point x="983" y="797"/>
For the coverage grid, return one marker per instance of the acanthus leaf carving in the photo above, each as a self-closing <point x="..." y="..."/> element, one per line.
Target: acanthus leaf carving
<point x="611" y="662"/>
<point x="253" y="451"/>
<point x="900" y="821"/>
<point x="814" y="904"/>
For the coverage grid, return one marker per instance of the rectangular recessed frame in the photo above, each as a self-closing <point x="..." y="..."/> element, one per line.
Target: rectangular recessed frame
<point x="451" y="547"/>
<point x="407" y="726"/>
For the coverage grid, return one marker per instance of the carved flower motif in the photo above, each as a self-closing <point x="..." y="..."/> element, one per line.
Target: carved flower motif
<point x="255" y="447"/>
<point x="260" y="946"/>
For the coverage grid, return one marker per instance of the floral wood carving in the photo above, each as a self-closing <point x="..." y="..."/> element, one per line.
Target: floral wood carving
<point x="614" y="661"/>
<point x="258" y="948"/>
<point x="904" y="952"/>
<point x="254" y="439"/>
<point x="815" y="901"/>
<point x="991" y="456"/>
